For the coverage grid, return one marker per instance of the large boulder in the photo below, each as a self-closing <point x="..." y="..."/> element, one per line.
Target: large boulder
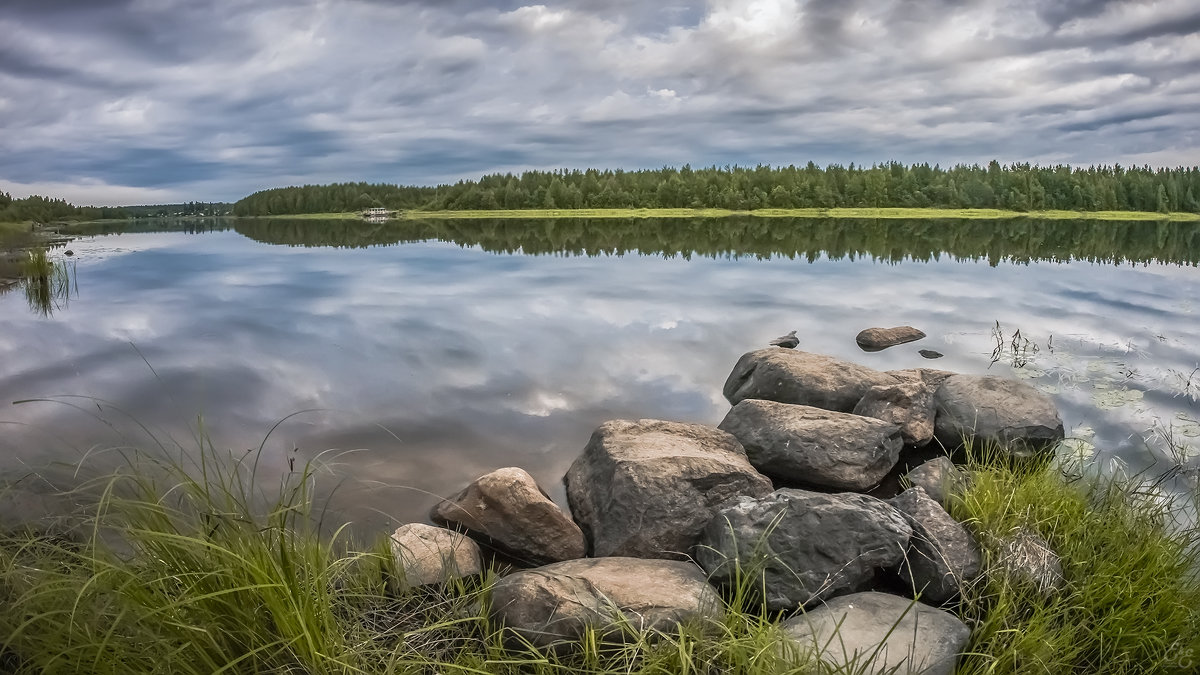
<point x="792" y="376"/>
<point x="557" y="603"/>
<point x="995" y="412"/>
<point x="943" y="555"/>
<point x="433" y="555"/>
<point x="803" y="546"/>
<point x="506" y="509"/>
<point x="799" y="444"/>
<point x="877" y="633"/>
<point x="940" y="478"/>
<point x="908" y="405"/>
<point x="875" y="339"/>
<point x="647" y="488"/>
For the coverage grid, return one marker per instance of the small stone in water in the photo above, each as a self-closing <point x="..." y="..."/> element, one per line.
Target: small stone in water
<point x="930" y="354"/>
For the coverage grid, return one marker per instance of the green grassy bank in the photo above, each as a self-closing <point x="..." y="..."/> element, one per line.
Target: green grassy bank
<point x="865" y="213"/>
<point x="165" y="573"/>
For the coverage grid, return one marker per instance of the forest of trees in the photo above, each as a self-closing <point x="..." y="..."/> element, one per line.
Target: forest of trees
<point x="46" y="210"/>
<point x="1018" y="187"/>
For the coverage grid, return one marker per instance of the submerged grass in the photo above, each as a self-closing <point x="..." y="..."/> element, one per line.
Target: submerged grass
<point x="871" y="213"/>
<point x="180" y="568"/>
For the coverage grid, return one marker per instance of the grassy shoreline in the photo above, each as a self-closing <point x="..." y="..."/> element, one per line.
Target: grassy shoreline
<point x="204" y="582"/>
<point x="847" y="213"/>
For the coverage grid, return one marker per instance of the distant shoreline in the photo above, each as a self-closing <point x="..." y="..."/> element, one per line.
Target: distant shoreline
<point x="849" y="213"/>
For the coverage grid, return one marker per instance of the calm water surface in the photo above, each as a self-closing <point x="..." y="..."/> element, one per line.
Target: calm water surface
<point x="438" y="352"/>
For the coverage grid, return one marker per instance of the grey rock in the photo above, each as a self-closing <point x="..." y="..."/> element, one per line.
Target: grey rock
<point x="1026" y="558"/>
<point x="876" y="339"/>
<point x="908" y="405"/>
<point x="793" y="376"/>
<point x="802" y="444"/>
<point x="930" y="353"/>
<point x="805" y="546"/>
<point x="943" y="556"/>
<point x="940" y="478"/>
<point x="647" y="488"/>
<point x="995" y="412"/>
<point x="433" y="555"/>
<point x="930" y="376"/>
<point x="557" y="603"/>
<point x="877" y="633"/>
<point x="789" y="341"/>
<point x="507" y="510"/>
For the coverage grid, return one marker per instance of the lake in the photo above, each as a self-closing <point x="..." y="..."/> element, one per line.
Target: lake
<point x="419" y="355"/>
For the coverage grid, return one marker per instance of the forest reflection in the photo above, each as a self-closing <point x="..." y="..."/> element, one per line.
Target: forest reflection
<point x="1004" y="241"/>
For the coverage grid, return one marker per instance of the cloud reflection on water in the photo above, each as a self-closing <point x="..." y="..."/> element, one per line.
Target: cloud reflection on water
<point x="442" y="362"/>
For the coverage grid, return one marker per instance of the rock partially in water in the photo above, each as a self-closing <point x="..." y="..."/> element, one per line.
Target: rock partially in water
<point x="789" y="341"/>
<point x="806" y="546"/>
<point x="908" y="405"/>
<point x="647" y="488"/>
<point x="554" y="605"/>
<point x="930" y="353"/>
<point x="877" y="633"/>
<point x="940" y="478"/>
<point x="876" y="339"/>
<point x="995" y="412"/>
<point x="943" y="556"/>
<point x="433" y="555"/>
<point x="803" y="378"/>
<point x="799" y="444"/>
<point x="507" y="510"/>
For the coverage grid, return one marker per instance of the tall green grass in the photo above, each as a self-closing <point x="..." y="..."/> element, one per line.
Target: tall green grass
<point x="1131" y="601"/>
<point x="184" y="567"/>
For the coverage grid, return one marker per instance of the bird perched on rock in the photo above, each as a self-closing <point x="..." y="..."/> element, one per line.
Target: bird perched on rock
<point x="789" y="341"/>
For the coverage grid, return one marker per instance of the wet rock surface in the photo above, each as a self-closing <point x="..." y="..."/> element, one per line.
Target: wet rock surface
<point x="876" y="339"/>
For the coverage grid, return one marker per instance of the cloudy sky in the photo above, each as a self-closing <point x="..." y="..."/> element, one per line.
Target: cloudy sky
<point x="143" y="101"/>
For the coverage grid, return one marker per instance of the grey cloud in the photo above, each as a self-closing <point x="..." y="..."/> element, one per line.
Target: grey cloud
<point x="226" y="98"/>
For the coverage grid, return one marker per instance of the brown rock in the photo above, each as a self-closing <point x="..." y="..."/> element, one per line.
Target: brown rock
<point x="507" y="510"/>
<point x="647" y="488"/>
<point x="876" y="339"/>
<point x="433" y="555"/>
<point x="554" y="605"/>
<point x="803" y="378"/>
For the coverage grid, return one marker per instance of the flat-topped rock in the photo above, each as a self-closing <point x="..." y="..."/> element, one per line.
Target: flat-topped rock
<point x="803" y="378"/>
<point x="557" y="603"/>
<point x="876" y="339"/>
<point x="807" y="546"/>
<point x="943" y="556"/>
<point x="647" y="488"/>
<point x="799" y="444"/>
<point x="995" y="412"/>
<point x="506" y="509"/>
<point x="877" y="633"/>
<point x="433" y="555"/>
<point x="908" y="405"/>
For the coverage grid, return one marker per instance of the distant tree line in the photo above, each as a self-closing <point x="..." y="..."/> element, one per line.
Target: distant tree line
<point x="1018" y="240"/>
<point x="45" y="210"/>
<point x="1018" y="187"/>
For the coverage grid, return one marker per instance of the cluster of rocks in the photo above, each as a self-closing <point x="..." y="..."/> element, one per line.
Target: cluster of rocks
<point x="788" y="495"/>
